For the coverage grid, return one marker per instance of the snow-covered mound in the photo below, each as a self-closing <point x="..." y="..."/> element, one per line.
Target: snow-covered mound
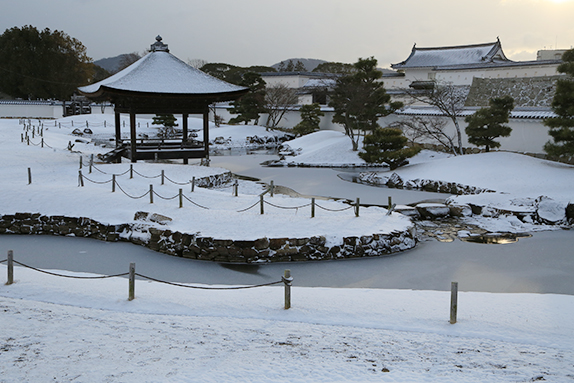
<point x="322" y="148"/>
<point x="523" y="186"/>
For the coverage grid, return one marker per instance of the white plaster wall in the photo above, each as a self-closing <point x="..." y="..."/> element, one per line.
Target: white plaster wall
<point x="30" y="111"/>
<point x="528" y="135"/>
<point x="294" y="81"/>
<point x="464" y="77"/>
<point x="44" y="111"/>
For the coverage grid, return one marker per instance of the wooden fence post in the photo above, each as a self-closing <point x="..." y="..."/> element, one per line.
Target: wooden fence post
<point x="29" y="176"/>
<point x="357" y="208"/>
<point x="271" y="188"/>
<point x="91" y="162"/>
<point x="261" y="202"/>
<point x="113" y="183"/>
<point x="150" y="193"/>
<point x="80" y="179"/>
<point x="453" y="301"/>
<point x="180" y="198"/>
<point x="236" y="188"/>
<point x="287" y="279"/>
<point x="132" y="283"/>
<point x="193" y="184"/>
<point x="312" y="207"/>
<point x="162" y="177"/>
<point x="10" y="265"/>
<point x="131" y="171"/>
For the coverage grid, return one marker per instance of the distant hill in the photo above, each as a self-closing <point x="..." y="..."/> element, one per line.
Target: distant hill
<point x="111" y="64"/>
<point x="310" y="64"/>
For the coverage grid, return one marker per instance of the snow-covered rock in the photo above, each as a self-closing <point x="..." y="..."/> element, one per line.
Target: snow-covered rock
<point x="550" y="211"/>
<point x="433" y="210"/>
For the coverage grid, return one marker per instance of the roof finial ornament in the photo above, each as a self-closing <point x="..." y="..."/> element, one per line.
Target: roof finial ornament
<point x="158" y="46"/>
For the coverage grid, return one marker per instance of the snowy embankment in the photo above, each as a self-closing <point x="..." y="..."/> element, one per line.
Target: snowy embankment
<point x="523" y="187"/>
<point x="85" y="330"/>
<point x="324" y="148"/>
<point x="529" y="194"/>
<point x="208" y="213"/>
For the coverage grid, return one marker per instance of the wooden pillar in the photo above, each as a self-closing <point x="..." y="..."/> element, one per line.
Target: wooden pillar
<point x="185" y="134"/>
<point x="133" y="136"/>
<point x="206" y="131"/>
<point x="118" y="130"/>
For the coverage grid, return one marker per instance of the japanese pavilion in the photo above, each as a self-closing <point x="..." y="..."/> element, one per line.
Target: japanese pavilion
<point x="160" y="83"/>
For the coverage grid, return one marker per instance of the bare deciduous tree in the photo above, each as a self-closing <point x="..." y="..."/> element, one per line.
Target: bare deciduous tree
<point x="279" y="98"/>
<point x="196" y="63"/>
<point x="427" y="128"/>
<point x="447" y="98"/>
<point x="128" y="59"/>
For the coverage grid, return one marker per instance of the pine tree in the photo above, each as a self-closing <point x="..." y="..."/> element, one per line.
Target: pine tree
<point x="167" y="122"/>
<point x="310" y="118"/>
<point x="250" y="105"/>
<point x="299" y="67"/>
<point x="387" y="145"/>
<point x="487" y="123"/>
<point x="562" y="126"/>
<point x="359" y="100"/>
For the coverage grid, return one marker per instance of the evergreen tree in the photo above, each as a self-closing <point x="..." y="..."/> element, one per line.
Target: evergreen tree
<point x="310" y="118"/>
<point x="290" y="67"/>
<point x="168" y="124"/>
<point x="250" y="105"/>
<point x="335" y="68"/>
<point x="487" y="123"/>
<point x="387" y="145"/>
<point x="299" y="67"/>
<point x="231" y="73"/>
<point x="359" y="100"/>
<point x="562" y="126"/>
<point x="42" y="64"/>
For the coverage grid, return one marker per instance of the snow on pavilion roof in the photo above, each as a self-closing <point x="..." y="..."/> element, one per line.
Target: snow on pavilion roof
<point x="452" y="56"/>
<point x="162" y="73"/>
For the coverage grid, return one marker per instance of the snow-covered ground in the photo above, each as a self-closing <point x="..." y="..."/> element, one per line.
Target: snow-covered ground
<point x="54" y="189"/>
<point x="57" y="329"/>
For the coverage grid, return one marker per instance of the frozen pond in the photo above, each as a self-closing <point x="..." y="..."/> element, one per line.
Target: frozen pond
<point x="540" y="264"/>
<point x="319" y="181"/>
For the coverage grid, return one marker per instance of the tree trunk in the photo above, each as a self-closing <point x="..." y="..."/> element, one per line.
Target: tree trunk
<point x="458" y="135"/>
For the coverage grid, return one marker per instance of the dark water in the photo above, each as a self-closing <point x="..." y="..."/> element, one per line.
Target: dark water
<point x="543" y="263"/>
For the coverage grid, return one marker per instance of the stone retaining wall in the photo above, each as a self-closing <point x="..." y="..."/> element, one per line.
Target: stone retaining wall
<point x="204" y="248"/>
<point x="395" y="181"/>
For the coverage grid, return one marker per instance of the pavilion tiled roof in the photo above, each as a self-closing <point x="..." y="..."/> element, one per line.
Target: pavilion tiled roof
<point x="159" y="72"/>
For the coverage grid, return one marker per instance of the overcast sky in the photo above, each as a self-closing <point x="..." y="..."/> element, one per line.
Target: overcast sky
<point x="264" y="32"/>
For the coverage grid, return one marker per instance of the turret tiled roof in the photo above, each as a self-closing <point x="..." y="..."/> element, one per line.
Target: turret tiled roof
<point x="478" y="54"/>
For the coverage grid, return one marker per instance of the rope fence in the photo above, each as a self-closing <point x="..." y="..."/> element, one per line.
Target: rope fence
<point x="286" y="279"/>
<point x="151" y="192"/>
<point x="28" y="127"/>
